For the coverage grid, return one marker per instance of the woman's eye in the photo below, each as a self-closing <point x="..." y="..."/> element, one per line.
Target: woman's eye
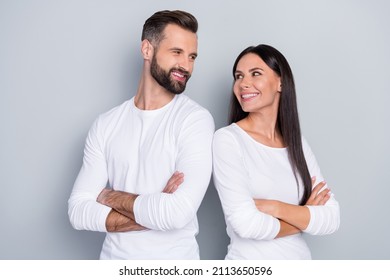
<point x="238" y="76"/>
<point x="256" y="73"/>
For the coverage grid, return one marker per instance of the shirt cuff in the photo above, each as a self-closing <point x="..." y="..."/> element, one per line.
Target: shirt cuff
<point x="311" y="226"/>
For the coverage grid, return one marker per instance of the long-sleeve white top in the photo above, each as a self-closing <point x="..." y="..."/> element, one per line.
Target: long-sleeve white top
<point x="243" y="170"/>
<point x="137" y="151"/>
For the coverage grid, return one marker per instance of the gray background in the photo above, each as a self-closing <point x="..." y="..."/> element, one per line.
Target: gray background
<point x="64" y="62"/>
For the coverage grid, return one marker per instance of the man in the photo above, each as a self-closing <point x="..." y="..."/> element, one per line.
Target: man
<point x="142" y="150"/>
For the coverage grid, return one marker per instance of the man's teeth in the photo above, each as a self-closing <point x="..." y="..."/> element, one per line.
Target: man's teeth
<point x="248" y="95"/>
<point x="178" y="74"/>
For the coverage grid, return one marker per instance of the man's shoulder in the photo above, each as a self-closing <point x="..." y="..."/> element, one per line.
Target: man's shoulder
<point x="124" y="106"/>
<point x="191" y="107"/>
<point x="115" y="112"/>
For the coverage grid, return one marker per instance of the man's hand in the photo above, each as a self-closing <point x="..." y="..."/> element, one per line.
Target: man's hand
<point x="174" y="182"/>
<point x="103" y="197"/>
<point x="120" y="201"/>
<point x="121" y="217"/>
<point x="116" y="222"/>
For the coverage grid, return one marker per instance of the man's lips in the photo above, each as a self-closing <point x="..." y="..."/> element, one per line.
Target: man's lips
<point x="179" y="75"/>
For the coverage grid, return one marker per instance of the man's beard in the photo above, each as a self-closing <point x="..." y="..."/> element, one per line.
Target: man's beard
<point x="164" y="79"/>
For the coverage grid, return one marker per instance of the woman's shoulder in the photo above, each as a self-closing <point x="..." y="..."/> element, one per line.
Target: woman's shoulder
<point x="226" y="131"/>
<point x="227" y="135"/>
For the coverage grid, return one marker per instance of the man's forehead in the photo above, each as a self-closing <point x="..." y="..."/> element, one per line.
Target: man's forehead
<point x="178" y="37"/>
<point x="175" y="31"/>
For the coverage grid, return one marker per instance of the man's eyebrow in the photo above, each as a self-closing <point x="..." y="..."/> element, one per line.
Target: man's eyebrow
<point x="181" y="50"/>
<point x="176" y="49"/>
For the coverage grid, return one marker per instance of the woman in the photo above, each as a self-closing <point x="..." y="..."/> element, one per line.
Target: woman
<point x="268" y="180"/>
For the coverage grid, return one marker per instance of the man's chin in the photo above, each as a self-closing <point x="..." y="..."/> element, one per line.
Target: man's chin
<point x="178" y="89"/>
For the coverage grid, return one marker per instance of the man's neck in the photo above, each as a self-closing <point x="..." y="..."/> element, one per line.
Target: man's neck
<point x="151" y="96"/>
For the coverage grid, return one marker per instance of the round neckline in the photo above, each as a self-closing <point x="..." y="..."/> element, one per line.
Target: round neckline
<point x="155" y="111"/>
<point x="242" y="131"/>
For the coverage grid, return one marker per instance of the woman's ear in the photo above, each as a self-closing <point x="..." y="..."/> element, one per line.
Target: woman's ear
<point x="146" y="49"/>
<point x="280" y="87"/>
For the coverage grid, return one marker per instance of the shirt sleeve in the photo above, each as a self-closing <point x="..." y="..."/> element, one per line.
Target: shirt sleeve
<point x="324" y="219"/>
<point x="231" y="182"/>
<point x="161" y="211"/>
<point x="83" y="210"/>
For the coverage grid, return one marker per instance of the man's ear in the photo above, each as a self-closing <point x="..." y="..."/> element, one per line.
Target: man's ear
<point x="147" y="49"/>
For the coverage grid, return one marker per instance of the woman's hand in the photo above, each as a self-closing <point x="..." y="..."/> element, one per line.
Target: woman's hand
<point x="295" y="215"/>
<point x="267" y="206"/>
<point x="318" y="196"/>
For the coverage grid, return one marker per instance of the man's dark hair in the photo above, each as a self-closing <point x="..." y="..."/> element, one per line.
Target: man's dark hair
<point x="154" y="26"/>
